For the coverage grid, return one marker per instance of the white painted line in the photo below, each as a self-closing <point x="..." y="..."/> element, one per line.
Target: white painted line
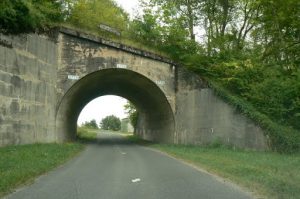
<point x="123" y="153"/>
<point x="136" y="180"/>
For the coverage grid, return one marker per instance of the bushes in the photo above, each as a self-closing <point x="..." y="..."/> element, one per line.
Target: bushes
<point x="268" y="95"/>
<point x="273" y="91"/>
<point x="86" y="133"/>
<point x="91" y="124"/>
<point x="89" y="14"/>
<point x="283" y="138"/>
<point x="18" y="16"/>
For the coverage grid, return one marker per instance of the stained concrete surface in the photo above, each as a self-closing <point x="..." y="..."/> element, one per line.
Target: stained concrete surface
<point x="40" y="72"/>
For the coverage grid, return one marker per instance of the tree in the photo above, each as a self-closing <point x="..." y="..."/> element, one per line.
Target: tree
<point x="111" y="123"/>
<point x="185" y="10"/>
<point x="279" y="32"/>
<point x="132" y="113"/>
<point x="145" y="30"/>
<point x="163" y="28"/>
<point x="91" y="124"/>
<point x="18" y="16"/>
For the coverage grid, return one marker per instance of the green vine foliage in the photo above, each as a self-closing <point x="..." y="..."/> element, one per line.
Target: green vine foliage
<point x="282" y="138"/>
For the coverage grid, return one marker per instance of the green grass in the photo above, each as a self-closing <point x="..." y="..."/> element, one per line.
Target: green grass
<point x="21" y="164"/>
<point x="120" y="40"/>
<point x="86" y="134"/>
<point x="267" y="174"/>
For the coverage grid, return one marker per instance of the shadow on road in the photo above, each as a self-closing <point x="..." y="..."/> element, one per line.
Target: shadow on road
<point x="106" y="139"/>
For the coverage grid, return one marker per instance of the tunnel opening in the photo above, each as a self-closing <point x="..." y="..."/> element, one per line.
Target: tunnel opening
<point x="106" y="114"/>
<point x="155" y="121"/>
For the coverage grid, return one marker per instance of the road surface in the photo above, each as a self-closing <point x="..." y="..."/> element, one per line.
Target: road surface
<point x="113" y="168"/>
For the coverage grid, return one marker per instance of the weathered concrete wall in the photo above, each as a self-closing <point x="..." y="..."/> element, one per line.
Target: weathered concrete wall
<point x="27" y="89"/>
<point x="126" y="126"/>
<point x="203" y="118"/>
<point x="45" y="81"/>
<point x="81" y="55"/>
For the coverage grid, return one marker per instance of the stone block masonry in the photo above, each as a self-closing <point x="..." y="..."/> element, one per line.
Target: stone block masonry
<point x="27" y="89"/>
<point x="46" y="80"/>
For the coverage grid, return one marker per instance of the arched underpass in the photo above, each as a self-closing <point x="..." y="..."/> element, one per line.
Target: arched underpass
<point x="156" y="119"/>
<point x="41" y="93"/>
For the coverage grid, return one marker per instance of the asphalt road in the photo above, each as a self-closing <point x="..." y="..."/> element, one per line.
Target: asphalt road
<point x="113" y="168"/>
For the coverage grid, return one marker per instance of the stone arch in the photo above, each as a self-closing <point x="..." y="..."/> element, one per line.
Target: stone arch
<point x="156" y="119"/>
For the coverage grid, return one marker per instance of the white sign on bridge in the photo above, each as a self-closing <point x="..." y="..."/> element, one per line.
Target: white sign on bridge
<point x="160" y="82"/>
<point x="121" y="66"/>
<point x="73" y="77"/>
<point x="109" y="29"/>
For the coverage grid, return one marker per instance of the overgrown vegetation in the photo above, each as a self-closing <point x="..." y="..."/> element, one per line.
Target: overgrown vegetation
<point x="89" y="15"/>
<point x="90" y="124"/>
<point x="249" y="51"/>
<point x="283" y="138"/>
<point x="86" y="134"/>
<point x="18" y="16"/>
<point x="268" y="174"/>
<point x="132" y="113"/>
<point x="111" y="122"/>
<point x="21" y="164"/>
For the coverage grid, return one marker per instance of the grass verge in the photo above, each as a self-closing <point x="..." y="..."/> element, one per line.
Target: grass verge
<point x="267" y="174"/>
<point x="85" y="134"/>
<point x="21" y="164"/>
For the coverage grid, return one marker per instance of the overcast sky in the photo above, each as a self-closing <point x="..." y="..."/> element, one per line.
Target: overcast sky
<point x="102" y="107"/>
<point x="107" y="105"/>
<point x="129" y="5"/>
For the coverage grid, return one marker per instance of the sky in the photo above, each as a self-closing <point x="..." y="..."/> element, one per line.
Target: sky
<point x="129" y="6"/>
<point x="107" y="105"/>
<point x="101" y="107"/>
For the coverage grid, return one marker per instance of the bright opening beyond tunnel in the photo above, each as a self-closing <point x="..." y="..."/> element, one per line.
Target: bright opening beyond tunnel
<point x="93" y="119"/>
<point x="102" y="107"/>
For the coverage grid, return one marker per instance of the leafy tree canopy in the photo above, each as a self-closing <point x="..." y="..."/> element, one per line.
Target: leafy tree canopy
<point x="251" y="48"/>
<point x="91" y="124"/>
<point x="132" y="113"/>
<point x="27" y="15"/>
<point x="111" y="123"/>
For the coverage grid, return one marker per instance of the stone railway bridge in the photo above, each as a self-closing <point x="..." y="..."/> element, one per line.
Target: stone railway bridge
<point x="46" y="80"/>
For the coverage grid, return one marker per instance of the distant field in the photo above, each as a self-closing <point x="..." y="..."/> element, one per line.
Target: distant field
<point x="21" y="164"/>
<point x="88" y="134"/>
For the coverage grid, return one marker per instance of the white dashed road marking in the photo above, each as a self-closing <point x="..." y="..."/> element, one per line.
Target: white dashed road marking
<point x="136" y="180"/>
